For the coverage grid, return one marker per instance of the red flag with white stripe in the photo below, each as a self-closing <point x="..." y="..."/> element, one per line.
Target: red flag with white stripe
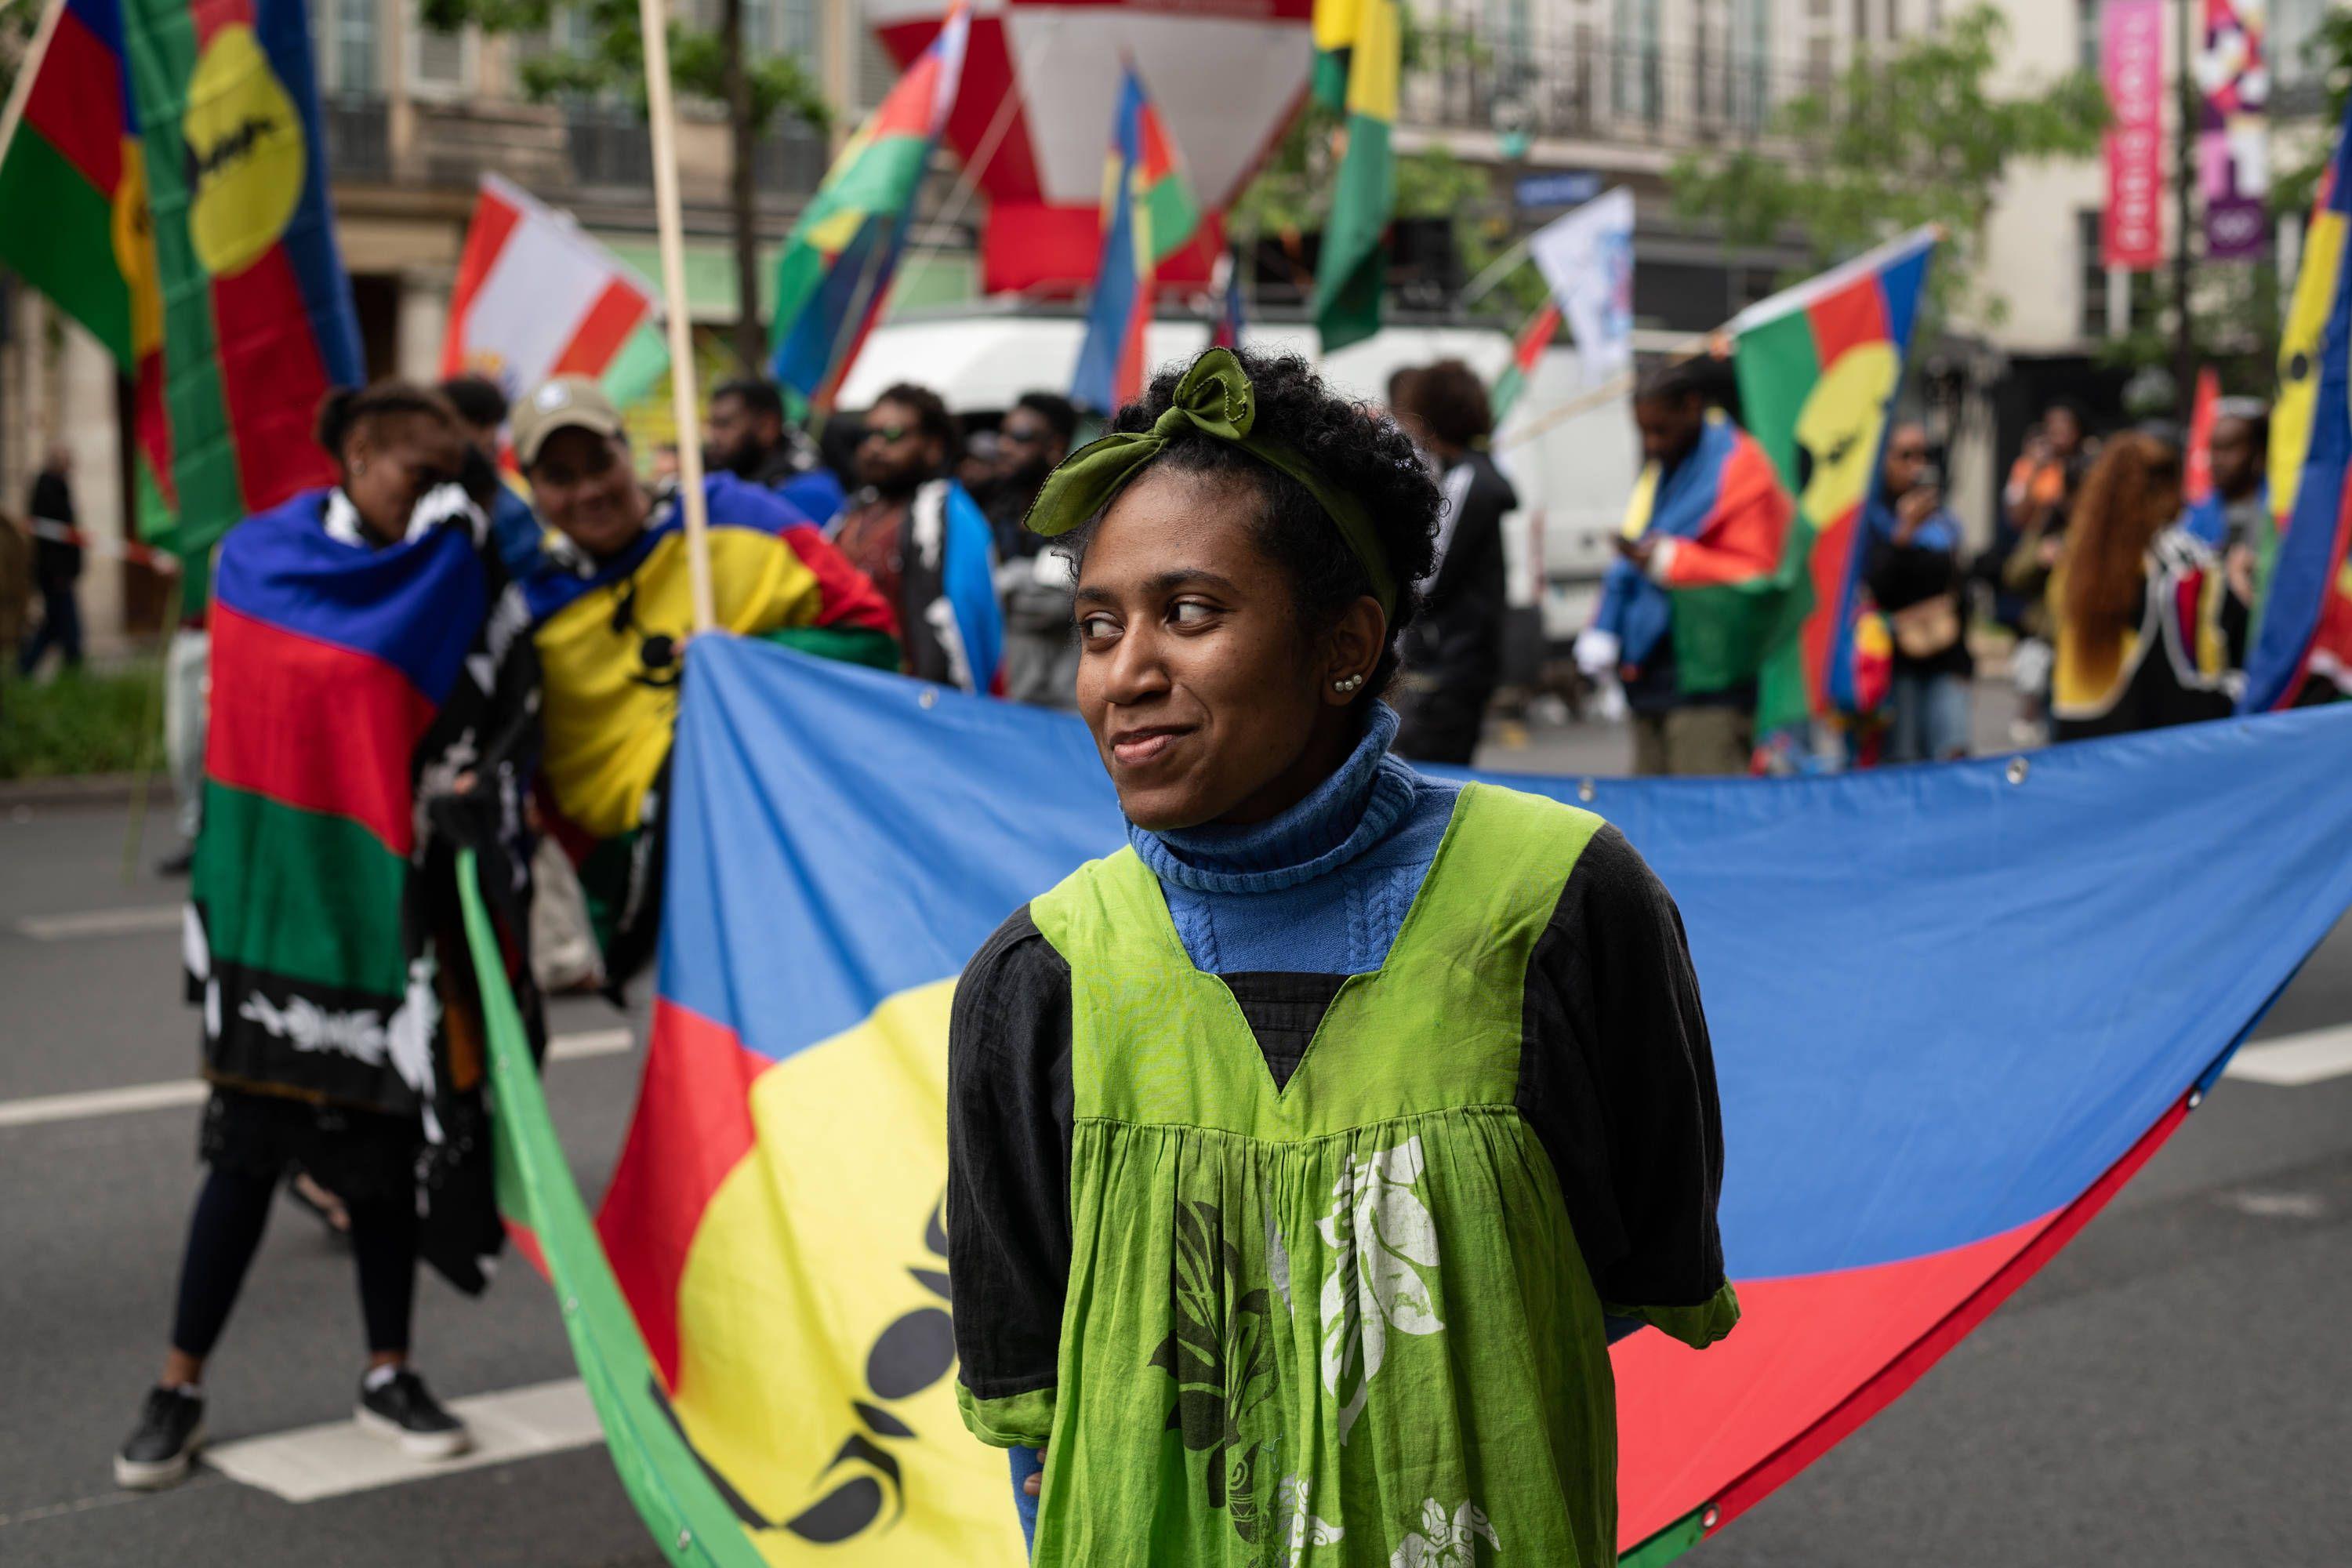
<point x="536" y="297"/>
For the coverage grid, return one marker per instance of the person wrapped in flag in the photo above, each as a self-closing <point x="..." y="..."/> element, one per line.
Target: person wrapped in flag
<point x="610" y="608"/>
<point x="1292" y="1186"/>
<point x="1695" y="604"/>
<point x="369" y="712"/>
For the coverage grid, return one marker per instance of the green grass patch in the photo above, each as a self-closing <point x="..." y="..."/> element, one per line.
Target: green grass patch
<point x="86" y="721"/>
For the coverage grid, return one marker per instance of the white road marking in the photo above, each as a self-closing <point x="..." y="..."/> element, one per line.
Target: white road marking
<point x="138" y="1097"/>
<point x="140" y="920"/>
<point x="337" y="1459"/>
<point x="2292" y="1061"/>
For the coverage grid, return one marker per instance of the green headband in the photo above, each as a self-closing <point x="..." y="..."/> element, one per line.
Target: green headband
<point x="1214" y="398"/>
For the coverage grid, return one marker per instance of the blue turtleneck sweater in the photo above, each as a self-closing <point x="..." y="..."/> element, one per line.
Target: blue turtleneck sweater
<point x="1320" y="889"/>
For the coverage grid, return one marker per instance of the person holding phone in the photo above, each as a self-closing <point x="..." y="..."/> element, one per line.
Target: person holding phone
<point x="1917" y="577"/>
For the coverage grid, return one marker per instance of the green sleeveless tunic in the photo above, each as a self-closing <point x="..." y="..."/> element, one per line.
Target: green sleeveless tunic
<point x="1343" y="1323"/>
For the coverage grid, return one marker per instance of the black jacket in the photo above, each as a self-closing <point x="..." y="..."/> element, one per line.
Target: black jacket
<point x="56" y="563"/>
<point x="1454" y="651"/>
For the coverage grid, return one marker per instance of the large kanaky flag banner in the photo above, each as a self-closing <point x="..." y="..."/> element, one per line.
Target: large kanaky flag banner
<point x="1954" y="1009"/>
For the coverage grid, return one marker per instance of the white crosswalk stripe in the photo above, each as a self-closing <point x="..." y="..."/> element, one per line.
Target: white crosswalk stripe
<point x="137" y="1096"/>
<point x="337" y="1458"/>
<point x="2292" y="1061"/>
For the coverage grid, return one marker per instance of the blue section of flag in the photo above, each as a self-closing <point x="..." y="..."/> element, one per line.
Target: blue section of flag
<point x="1943" y="1004"/>
<point x="1119" y="273"/>
<point x="2310" y="551"/>
<point x="281" y="568"/>
<point x="283" y="29"/>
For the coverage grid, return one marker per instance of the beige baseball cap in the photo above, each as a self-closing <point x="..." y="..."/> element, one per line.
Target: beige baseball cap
<point x="566" y="403"/>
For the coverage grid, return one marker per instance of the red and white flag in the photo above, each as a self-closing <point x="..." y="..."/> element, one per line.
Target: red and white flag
<point x="536" y="297"/>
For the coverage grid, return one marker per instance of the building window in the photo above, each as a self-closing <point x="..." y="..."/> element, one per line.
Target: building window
<point x="2092" y="270"/>
<point x="344" y="38"/>
<point x="2086" y="34"/>
<point x="2293" y="24"/>
<point x="440" y="65"/>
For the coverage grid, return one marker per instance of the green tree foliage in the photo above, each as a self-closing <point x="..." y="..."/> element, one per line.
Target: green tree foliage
<point x="1917" y="134"/>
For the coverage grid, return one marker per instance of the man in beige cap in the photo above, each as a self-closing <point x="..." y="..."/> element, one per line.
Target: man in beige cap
<point x="611" y="611"/>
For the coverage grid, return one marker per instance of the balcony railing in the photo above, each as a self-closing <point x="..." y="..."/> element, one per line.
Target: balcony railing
<point x="610" y="151"/>
<point x="1618" y="93"/>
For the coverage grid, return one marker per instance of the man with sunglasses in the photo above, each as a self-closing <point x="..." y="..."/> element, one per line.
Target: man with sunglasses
<point x="1041" y="657"/>
<point x="925" y="543"/>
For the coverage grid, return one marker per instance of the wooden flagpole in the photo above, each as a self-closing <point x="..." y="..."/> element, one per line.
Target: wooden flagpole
<point x="661" y="113"/>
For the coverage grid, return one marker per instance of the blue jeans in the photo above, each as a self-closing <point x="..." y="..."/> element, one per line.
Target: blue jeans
<point x="1931" y="718"/>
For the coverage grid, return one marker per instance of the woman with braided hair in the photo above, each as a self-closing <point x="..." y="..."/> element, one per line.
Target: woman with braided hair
<point x="1295" y="1147"/>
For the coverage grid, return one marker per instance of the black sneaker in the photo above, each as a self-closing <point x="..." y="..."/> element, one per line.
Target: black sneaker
<point x="158" y="1451"/>
<point x="178" y="865"/>
<point x="399" y="1410"/>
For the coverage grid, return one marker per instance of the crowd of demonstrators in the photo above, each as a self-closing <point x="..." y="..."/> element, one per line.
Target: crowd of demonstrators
<point x="923" y="540"/>
<point x="1454" y="653"/>
<point x="1250" y="551"/>
<point x="329" y="1018"/>
<point x="2036" y="505"/>
<point x="56" y="564"/>
<point x="1914" y="570"/>
<point x="1708" y="511"/>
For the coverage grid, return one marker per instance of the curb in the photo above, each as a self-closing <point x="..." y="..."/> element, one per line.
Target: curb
<point x="77" y="789"/>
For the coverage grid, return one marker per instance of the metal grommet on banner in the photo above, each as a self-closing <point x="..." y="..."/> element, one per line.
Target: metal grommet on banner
<point x="685" y="1538"/>
<point x="571" y="1306"/>
<point x="1584" y="791"/>
<point x="928" y="700"/>
<point x="2017" y="769"/>
<point x="1711" y="1517"/>
<point x="2196" y="1098"/>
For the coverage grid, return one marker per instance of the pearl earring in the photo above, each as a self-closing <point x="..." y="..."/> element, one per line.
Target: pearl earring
<point x="1350" y="684"/>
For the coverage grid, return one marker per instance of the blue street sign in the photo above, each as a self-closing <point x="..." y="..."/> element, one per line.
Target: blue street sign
<point x="1569" y="188"/>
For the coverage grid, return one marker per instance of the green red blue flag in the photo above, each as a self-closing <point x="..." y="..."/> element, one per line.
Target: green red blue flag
<point x="2304" y="630"/>
<point x="774" y="1220"/>
<point x="257" y="322"/>
<point x="1149" y="214"/>
<point x="835" y="272"/>
<point x="1819" y="367"/>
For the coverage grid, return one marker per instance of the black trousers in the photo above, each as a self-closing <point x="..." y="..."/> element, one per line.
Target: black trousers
<point x="232" y="1208"/>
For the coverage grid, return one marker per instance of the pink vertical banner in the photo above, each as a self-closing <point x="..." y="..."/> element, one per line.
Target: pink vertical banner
<point x="2131" y="61"/>
<point x="2233" y="83"/>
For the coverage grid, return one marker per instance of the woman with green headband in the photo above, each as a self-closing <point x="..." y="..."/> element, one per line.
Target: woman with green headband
<point x="1305" y="1154"/>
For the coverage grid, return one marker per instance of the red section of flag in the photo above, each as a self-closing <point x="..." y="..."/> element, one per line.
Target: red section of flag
<point x="1528" y="352"/>
<point x="845" y="596"/>
<point x="692" y="1126"/>
<point x="272" y="380"/>
<point x="75" y="103"/>
<point x="494" y="221"/>
<point x="1853" y="315"/>
<point x="1903" y="1318"/>
<point x="616" y="314"/>
<point x="2202" y="417"/>
<point x="294" y="685"/>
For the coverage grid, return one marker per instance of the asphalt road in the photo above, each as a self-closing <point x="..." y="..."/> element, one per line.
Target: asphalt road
<point x="2172" y="1390"/>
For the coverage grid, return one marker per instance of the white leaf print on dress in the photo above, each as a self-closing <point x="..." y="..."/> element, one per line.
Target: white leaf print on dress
<point x="1381" y="1239"/>
<point x="1442" y="1542"/>
<point x="1305" y="1530"/>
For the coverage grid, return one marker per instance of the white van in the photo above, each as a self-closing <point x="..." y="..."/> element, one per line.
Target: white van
<point x="1573" y="478"/>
